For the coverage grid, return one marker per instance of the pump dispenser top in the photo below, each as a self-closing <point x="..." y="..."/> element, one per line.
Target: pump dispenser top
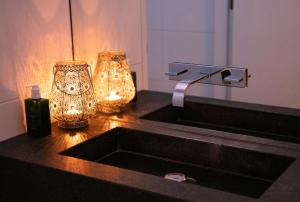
<point x="35" y="91"/>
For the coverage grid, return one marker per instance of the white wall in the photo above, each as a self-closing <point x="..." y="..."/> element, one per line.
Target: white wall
<point x="34" y="35"/>
<point x="266" y="39"/>
<point x="101" y="25"/>
<point x="193" y="31"/>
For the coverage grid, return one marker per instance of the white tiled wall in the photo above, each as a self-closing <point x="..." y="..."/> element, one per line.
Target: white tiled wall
<point x="34" y="35"/>
<point x="109" y="25"/>
<point x="267" y="41"/>
<point x="11" y="119"/>
<point x="183" y="31"/>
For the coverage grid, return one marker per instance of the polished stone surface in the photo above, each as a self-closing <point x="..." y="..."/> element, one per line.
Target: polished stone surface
<point x="34" y="169"/>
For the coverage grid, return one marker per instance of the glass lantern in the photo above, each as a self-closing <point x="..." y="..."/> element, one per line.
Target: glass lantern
<point x="72" y="98"/>
<point x="113" y="84"/>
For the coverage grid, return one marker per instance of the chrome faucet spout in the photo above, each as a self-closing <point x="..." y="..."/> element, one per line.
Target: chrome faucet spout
<point x="181" y="88"/>
<point x="187" y="74"/>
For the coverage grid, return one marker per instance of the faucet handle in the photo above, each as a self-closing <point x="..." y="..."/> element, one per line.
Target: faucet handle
<point x="233" y="79"/>
<point x="230" y="78"/>
<point x="176" y="73"/>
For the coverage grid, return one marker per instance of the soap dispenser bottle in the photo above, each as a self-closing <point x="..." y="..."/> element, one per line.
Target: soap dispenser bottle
<point x="37" y="114"/>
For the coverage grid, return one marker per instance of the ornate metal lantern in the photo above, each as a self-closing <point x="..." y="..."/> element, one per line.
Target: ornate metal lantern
<point x="72" y="98"/>
<point x="113" y="84"/>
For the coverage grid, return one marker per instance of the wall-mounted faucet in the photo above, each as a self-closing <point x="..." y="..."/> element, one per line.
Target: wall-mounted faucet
<point x="188" y="74"/>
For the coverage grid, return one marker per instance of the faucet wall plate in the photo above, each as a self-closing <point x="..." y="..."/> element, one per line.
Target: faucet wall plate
<point x="216" y="75"/>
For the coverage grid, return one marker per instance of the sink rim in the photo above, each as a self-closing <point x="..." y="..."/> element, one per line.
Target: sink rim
<point x="245" y="105"/>
<point x="117" y="144"/>
<point x="227" y="142"/>
<point x="271" y="137"/>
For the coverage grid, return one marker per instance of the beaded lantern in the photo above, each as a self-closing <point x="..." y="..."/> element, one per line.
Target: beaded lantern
<point x="72" y="98"/>
<point x="113" y="84"/>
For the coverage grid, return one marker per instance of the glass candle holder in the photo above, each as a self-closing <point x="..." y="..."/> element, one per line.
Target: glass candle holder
<point x="72" y="98"/>
<point x="113" y="84"/>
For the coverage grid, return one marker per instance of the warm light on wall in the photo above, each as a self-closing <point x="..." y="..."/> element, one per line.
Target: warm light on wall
<point x="113" y="83"/>
<point x="72" y="98"/>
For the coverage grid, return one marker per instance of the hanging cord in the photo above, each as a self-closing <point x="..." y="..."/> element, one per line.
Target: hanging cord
<point x="71" y="26"/>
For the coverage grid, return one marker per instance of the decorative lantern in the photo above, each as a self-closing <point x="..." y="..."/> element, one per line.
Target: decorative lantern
<point x="113" y="84"/>
<point x="72" y="98"/>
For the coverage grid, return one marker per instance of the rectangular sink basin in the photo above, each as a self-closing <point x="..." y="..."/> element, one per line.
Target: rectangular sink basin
<point x="272" y="125"/>
<point x="220" y="167"/>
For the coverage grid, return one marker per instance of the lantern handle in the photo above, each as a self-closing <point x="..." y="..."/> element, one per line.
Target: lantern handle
<point x="54" y="70"/>
<point x="90" y="72"/>
<point x="54" y="74"/>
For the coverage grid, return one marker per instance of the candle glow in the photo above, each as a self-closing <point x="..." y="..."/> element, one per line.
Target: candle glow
<point x="113" y="96"/>
<point x="114" y="86"/>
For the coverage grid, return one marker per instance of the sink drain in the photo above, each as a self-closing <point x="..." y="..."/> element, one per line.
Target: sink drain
<point x="179" y="177"/>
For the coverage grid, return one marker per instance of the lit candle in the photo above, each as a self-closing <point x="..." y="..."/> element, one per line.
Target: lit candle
<point x="112" y="103"/>
<point x="73" y="112"/>
<point x="113" y="96"/>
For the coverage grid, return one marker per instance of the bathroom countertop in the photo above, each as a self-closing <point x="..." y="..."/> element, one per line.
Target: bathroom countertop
<point x="32" y="169"/>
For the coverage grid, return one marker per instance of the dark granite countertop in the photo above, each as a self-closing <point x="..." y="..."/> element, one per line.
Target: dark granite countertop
<point x="32" y="169"/>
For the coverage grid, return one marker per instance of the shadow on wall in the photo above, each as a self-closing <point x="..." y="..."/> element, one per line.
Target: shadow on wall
<point x="101" y="25"/>
<point x="34" y="39"/>
<point x="34" y="36"/>
<point x="99" y="33"/>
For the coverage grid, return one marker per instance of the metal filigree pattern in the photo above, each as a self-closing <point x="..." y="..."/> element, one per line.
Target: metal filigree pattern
<point x="72" y="98"/>
<point x="112" y="81"/>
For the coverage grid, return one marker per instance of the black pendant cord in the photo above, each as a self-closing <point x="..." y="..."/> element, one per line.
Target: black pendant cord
<point x="71" y="26"/>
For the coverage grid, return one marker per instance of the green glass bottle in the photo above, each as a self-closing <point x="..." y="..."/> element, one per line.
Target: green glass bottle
<point x="37" y="114"/>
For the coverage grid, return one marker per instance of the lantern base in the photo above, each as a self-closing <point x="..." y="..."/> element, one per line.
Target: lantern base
<point x="73" y="125"/>
<point x="111" y="109"/>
